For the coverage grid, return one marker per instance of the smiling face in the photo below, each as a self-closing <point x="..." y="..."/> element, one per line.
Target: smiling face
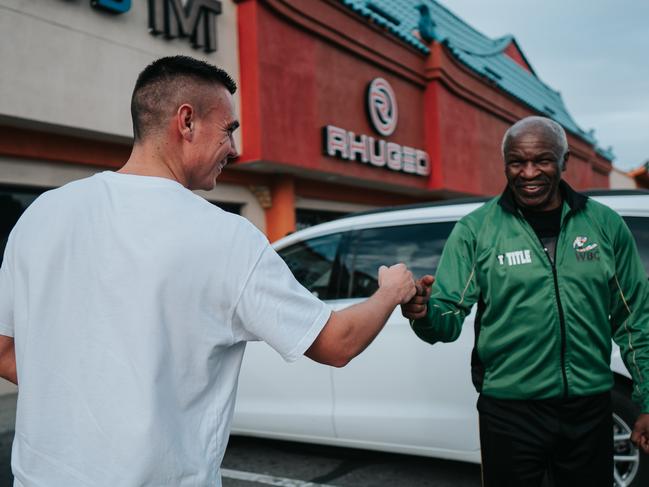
<point x="533" y="164"/>
<point x="212" y="142"/>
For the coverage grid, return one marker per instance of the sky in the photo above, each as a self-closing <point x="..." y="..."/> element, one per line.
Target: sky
<point x="595" y="52"/>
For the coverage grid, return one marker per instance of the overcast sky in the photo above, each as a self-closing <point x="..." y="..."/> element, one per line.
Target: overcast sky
<point x="595" y="52"/>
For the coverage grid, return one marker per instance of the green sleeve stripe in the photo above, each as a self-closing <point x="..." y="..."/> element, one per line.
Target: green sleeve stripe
<point x="629" y="334"/>
<point x="467" y="285"/>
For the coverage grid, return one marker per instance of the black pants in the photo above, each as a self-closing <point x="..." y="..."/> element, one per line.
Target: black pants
<point x="570" y="440"/>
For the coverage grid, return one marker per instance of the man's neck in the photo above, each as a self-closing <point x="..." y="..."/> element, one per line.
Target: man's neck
<point x="145" y="160"/>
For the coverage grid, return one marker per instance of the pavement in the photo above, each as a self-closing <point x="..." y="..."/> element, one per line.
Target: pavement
<point x="255" y="462"/>
<point x="288" y="464"/>
<point x="7" y="422"/>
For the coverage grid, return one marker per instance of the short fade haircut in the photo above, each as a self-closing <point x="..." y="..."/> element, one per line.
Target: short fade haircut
<point x="163" y="83"/>
<point x="547" y="124"/>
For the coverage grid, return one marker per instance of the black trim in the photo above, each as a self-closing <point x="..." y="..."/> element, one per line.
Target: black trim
<point x="339" y="275"/>
<point x="415" y="206"/>
<point x="555" y="278"/>
<point x="477" y="367"/>
<point x="562" y="324"/>
<point x="482" y="199"/>
<point x="616" y="192"/>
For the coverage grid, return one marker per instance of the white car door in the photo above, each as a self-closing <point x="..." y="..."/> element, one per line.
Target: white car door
<point x="283" y="400"/>
<point x="295" y="401"/>
<point x="402" y="391"/>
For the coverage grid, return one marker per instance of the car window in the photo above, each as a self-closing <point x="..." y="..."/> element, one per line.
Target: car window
<point x="311" y="262"/>
<point x="418" y="246"/>
<point x="639" y="226"/>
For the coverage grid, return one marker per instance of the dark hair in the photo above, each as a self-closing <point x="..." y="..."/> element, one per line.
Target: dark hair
<point x="162" y="81"/>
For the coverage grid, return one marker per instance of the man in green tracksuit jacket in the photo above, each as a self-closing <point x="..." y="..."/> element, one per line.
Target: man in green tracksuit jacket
<point x="555" y="276"/>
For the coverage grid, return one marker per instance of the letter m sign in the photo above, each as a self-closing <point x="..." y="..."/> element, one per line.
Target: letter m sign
<point x="196" y="20"/>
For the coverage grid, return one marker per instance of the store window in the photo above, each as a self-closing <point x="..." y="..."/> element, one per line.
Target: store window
<point x="229" y="207"/>
<point x="308" y="218"/>
<point x="13" y="202"/>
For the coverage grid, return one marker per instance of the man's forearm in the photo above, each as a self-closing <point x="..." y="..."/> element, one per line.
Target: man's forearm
<point x="361" y="323"/>
<point x="349" y="331"/>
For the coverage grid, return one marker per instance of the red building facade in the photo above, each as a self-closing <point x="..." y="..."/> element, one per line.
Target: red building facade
<point x="310" y="149"/>
<point x="305" y="66"/>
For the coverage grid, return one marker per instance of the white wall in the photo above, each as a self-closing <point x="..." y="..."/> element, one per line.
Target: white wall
<point x="67" y="64"/>
<point x="620" y="180"/>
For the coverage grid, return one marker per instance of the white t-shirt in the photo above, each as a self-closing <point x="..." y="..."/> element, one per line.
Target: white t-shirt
<point x="130" y="300"/>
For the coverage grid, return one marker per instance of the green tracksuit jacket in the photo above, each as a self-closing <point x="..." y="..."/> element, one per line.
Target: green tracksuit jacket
<point x="544" y="330"/>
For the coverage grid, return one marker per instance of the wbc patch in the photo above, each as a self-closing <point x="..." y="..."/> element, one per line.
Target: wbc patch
<point x="584" y="251"/>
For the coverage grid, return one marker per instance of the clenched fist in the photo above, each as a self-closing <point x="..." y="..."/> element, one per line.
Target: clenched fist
<point x="416" y="307"/>
<point x="397" y="282"/>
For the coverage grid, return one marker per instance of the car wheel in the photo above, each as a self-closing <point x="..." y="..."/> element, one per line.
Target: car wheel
<point x="631" y="465"/>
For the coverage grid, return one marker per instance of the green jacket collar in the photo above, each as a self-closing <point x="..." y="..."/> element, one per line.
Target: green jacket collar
<point x="576" y="201"/>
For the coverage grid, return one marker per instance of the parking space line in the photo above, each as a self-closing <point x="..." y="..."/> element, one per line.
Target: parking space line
<point x="267" y="479"/>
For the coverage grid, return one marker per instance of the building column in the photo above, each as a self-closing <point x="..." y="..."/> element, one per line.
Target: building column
<point x="432" y="131"/>
<point x="280" y="215"/>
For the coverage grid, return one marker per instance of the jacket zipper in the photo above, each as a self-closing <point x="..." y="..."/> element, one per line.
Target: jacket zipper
<point x="562" y="321"/>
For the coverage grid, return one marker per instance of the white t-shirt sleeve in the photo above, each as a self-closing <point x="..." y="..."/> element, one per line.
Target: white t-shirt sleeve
<point x="7" y="293"/>
<point x="277" y="309"/>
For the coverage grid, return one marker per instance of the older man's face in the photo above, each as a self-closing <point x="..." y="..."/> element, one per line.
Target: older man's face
<point x="533" y="159"/>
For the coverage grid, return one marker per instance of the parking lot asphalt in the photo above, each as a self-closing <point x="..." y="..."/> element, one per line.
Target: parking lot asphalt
<point x="254" y="462"/>
<point x="7" y="421"/>
<point x="343" y="467"/>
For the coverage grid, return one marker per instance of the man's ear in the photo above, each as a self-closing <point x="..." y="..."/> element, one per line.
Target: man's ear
<point x="185" y="120"/>
<point x="564" y="163"/>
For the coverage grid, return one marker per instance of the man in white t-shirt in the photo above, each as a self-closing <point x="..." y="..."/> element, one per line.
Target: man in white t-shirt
<point x="127" y="301"/>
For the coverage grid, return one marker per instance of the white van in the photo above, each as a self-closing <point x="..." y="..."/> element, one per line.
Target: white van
<point x="401" y="395"/>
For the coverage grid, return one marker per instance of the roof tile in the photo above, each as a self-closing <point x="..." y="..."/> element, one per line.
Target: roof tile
<point x="481" y="54"/>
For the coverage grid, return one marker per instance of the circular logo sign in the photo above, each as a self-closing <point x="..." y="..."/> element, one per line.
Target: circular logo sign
<point x="382" y="106"/>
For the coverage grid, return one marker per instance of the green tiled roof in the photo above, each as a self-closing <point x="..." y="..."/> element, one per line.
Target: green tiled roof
<point x="483" y="55"/>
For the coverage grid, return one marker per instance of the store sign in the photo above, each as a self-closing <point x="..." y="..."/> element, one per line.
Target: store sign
<point x="345" y="144"/>
<point x="382" y="106"/>
<point x="114" y="6"/>
<point x="195" y="19"/>
<point x="382" y="111"/>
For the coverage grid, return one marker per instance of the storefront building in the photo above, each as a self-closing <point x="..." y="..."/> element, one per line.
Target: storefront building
<point x="637" y="178"/>
<point x="314" y="76"/>
<point x="641" y="176"/>
<point x="345" y="105"/>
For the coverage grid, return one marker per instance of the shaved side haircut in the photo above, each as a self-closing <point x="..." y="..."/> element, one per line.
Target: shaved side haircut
<point x="167" y="83"/>
<point x="546" y="124"/>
